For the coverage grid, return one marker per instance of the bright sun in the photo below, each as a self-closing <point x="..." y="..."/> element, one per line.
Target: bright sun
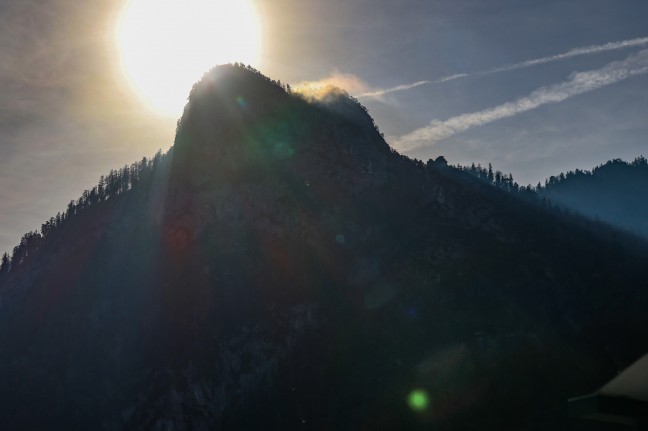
<point x="165" y="46"/>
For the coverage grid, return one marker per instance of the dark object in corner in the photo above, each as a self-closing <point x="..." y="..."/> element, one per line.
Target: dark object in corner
<point x="620" y="404"/>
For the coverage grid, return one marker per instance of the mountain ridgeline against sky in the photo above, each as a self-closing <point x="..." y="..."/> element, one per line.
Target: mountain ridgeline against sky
<point x="614" y="192"/>
<point x="282" y="267"/>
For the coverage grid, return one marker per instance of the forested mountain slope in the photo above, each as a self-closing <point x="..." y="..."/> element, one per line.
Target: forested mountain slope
<point x="282" y="267"/>
<point x="615" y="192"/>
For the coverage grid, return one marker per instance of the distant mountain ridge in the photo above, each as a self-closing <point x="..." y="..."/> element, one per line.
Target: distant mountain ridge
<point x="282" y="267"/>
<point x="615" y="192"/>
<point x="612" y="193"/>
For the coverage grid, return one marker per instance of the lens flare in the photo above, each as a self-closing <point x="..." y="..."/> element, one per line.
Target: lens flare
<point x="418" y="400"/>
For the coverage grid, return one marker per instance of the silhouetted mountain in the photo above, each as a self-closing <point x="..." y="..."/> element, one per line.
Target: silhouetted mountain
<point x="282" y="267"/>
<point x="614" y="192"/>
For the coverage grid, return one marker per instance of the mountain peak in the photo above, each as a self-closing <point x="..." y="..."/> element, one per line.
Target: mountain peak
<point x="237" y="118"/>
<point x="238" y="91"/>
<point x="235" y="84"/>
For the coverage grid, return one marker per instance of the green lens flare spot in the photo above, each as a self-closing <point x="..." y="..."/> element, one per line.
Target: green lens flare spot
<point x="418" y="400"/>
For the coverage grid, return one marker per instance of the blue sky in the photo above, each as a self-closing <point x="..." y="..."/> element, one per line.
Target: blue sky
<point x="66" y="117"/>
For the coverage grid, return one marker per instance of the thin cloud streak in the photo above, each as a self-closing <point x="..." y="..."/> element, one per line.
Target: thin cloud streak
<point x="578" y="83"/>
<point x="451" y="78"/>
<point x="576" y="52"/>
<point x="587" y="50"/>
<point x="383" y="91"/>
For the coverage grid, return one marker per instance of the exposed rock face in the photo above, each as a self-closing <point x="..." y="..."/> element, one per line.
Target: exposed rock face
<point x="285" y="268"/>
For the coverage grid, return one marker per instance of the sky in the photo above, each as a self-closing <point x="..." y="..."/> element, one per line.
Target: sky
<point x="534" y="87"/>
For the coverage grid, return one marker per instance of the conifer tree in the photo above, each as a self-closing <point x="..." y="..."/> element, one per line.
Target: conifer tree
<point x="4" y="264"/>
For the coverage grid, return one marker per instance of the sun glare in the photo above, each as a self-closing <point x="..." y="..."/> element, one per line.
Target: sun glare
<point x="165" y="46"/>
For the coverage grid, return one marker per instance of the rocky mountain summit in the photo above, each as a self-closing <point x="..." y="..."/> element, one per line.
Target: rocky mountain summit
<point x="282" y="267"/>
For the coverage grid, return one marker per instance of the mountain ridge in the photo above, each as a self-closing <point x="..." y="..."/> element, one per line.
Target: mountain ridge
<point x="611" y="192"/>
<point x="281" y="265"/>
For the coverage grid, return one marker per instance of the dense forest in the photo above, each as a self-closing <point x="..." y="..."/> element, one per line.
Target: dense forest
<point x="109" y="186"/>
<point x="614" y="192"/>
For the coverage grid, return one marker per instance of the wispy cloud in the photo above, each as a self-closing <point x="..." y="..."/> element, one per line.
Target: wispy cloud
<point x="586" y="50"/>
<point x="578" y="83"/>
<point x="334" y="82"/>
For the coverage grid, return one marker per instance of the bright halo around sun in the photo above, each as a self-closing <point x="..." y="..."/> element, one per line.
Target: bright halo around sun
<point x="166" y="46"/>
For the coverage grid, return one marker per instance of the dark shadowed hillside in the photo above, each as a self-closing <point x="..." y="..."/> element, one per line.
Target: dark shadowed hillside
<point x="614" y="192"/>
<point x="282" y="267"/>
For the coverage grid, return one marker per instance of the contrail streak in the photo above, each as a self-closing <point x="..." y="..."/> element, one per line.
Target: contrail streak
<point x="592" y="49"/>
<point x="383" y="91"/>
<point x="586" y="50"/>
<point x="578" y="83"/>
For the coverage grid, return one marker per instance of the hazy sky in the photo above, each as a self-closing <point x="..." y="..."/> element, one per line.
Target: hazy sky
<point x="535" y="87"/>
